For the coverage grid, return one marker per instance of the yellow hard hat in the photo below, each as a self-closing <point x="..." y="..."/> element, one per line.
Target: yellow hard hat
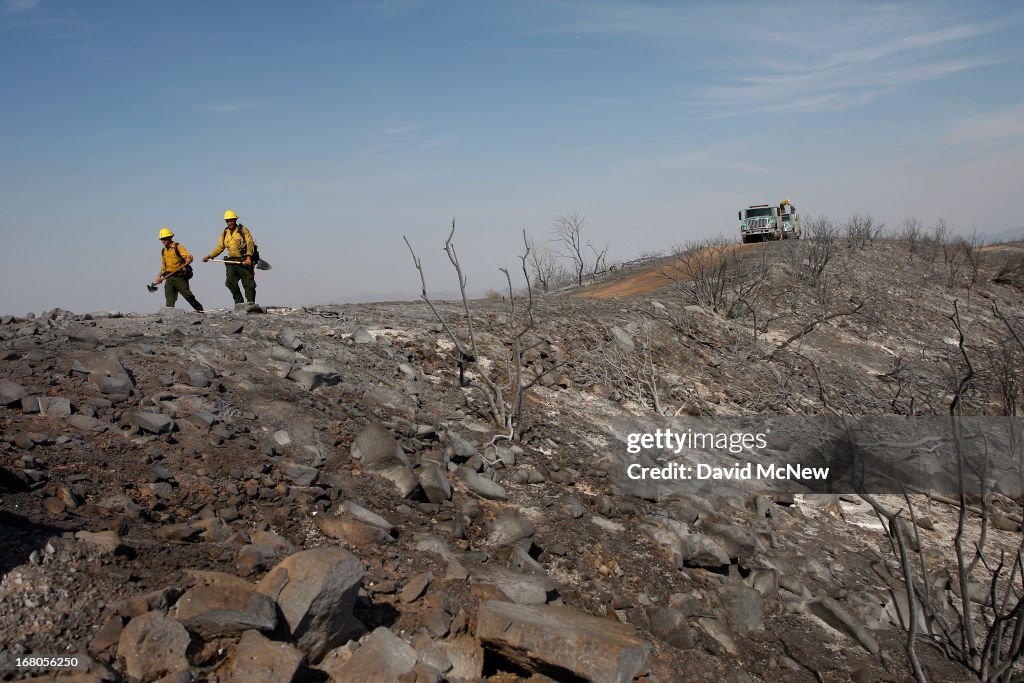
<point x="228" y="215"/>
<point x="165" y="233"/>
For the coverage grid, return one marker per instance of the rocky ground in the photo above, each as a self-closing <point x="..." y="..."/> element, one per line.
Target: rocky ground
<point x="308" y="494"/>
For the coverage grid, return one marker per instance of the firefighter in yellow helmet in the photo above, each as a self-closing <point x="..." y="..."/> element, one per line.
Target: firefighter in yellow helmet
<point x="240" y="247"/>
<point x="175" y="271"/>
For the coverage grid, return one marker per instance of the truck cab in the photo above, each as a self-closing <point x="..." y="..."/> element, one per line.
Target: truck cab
<point x="760" y="222"/>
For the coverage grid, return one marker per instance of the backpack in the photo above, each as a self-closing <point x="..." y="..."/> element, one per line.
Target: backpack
<point x="185" y="272"/>
<point x="248" y="238"/>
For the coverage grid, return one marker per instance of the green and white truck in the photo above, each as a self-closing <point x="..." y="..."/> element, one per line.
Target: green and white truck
<point x="762" y="222"/>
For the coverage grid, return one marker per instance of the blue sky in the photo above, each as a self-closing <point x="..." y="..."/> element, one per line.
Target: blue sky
<point x="333" y="128"/>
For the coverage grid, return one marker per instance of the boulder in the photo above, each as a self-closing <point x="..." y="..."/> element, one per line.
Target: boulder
<point x="376" y="448"/>
<point x="11" y="393"/>
<point x="434" y="483"/>
<point x="351" y="531"/>
<point x="152" y="646"/>
<point x="87" y="424"/>
<point x="286" y="338"/>
<point x="482" y="486"/>
<point x="522" y="589"/>
<point x="105" y="372"/>
<point x="154" y="423"/>
<point x="316" y="375"/>
<point x="508" y="527"/>
<point x="466" y="657"/>
<point x="560" y="642"/>
<point x="363" y="336"/>
<point x="217" y="611"/>
<point x="364" y="515"/>
<point x="301" y="475"/>
<point x="833" y="614"/>
<point x="404" y="479"/>
<point x="382" y="657"/>
<point x="54" y="406"/>
<point x="316" y="590"/>
<point x="259" y="659"/>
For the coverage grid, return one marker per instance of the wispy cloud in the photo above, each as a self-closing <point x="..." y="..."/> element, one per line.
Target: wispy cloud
<point x="982" y="130"/>
<point x="230" y="107"/>
<point x="796" y="57"/>
<point x="20" y="6"/>
<point x="399" y="130"/>
<point x="446" y="140"/>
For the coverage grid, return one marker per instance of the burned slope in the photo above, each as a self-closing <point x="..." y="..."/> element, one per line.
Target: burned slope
<point x="309" y="494"/>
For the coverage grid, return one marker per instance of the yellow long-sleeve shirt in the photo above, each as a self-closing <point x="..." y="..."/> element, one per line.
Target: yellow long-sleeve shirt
<point x="238" y="242"/>
<point x="170" y="261"/>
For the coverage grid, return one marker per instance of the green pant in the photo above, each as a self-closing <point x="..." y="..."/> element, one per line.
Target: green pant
<point x="236" y="272"/>
<point x="175" y="285"/>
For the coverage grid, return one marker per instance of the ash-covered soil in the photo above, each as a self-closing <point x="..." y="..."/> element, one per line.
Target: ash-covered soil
<point x="308" y="494"/>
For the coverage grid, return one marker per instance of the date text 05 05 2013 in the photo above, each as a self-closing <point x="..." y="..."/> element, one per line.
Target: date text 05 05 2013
<point x="42" y="662"/>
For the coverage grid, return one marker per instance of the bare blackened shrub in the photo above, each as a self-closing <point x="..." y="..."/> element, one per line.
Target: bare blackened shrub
<point x="1011" y="271"/>
<point x="547" y="269"/>
<point x="711" y="275"/>
<point x="503" y="397"/>
<point x="972" y="257"/>
<point x="861" y="230"/>
<point x="980" y="626"/>
<point x="911" y="234"/>
<point x="820" y="246"/>
<point x="933" y="243"/>
<point x="568" y="231"/>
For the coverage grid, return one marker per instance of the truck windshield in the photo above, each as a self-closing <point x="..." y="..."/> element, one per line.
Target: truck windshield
<point x="753" y="213"/>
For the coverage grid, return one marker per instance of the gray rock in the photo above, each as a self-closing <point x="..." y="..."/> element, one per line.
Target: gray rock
<point x="218" y="611"/>
<point x="507" y="527"/>
<point x="404" y="479"/>
<point x="364" y="515"/>
<point x="301" y="475"/>
<point x="316" y="590"/>
<point x="105" y="372"/>
<point x="482" y="486"/>
<point x="315" y="375"/>
<point x="54" y="406"/>
<point x="351" y="531"/>
<point x="561" y="642"/>
<point x="152" y="646"/>
<point x="107" y="541"/>
<point x="286" y="338"/>
<point x="460" y="448"/>
<point x="11" y="393"/>
<point x="743" y="608"/>
<point x="376" y="448"/>
<point x="363" y="336"/>
<point x="434" y="483"/>
<point x="416" y="586"/>
<point x="681" y="546"/>
<point x="198" y="377"/>
<point x="382" y="656"/>
<point x="466" y="657"/>
<point x="154" y="423"/>
<point x="260" y="659"/>
<point x="522" y="589"/>
<point x="283" y="354"/>
<point x="204" y="419"/>
<point x="833" y="614"/>
<point x="669" y="624"/>
<point x="246" y="309"/>
<point x="282" y="438"/>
